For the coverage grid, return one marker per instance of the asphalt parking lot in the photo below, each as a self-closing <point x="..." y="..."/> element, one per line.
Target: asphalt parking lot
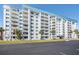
<point x="52" y="48"/>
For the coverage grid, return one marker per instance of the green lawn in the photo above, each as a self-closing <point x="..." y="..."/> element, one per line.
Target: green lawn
<point x="33" y="41"/>
<point x="28" y="41"/>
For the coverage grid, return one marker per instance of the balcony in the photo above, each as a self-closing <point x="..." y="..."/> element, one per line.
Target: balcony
<point x="14" y="25"/>
<point x="53" y="22"/>
<point x="25" y="31"/>
<point x="25" y="21"/>
<point x="14" y="28"/>
<point x="24" y="12"/>
<point x="25" y="24"/>
<point x="14" y="10"/>
<point x="14" y="17"/>
<point x="26" y="28"/>
<point x="25" y="17"/>
<point x="14" y="13"/>
<point x="14" y="21"/>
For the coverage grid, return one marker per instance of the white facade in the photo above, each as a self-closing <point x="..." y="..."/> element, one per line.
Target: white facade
<point x="31" y="20"/>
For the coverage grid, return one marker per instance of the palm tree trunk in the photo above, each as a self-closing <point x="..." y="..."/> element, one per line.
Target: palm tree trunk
<point x="1" y="35"/>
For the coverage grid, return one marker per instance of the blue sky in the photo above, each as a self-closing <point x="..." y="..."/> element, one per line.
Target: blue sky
<point x="66" y="10"/>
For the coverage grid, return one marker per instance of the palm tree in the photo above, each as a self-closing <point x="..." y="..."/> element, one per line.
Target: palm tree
<point x="41" y="32"/>
<point x="52" y="31"/>
<point x="76" y="31"/>
<point x="18" y="34"/>
<point x="70" y="32"/>
<point x="1" y="31"/>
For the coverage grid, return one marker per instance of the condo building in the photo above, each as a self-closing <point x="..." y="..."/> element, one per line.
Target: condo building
<point x="30" y="21"/>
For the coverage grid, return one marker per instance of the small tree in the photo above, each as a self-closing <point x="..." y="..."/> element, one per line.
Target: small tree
<point x="1" y="31"/>
<point x="18" y="34"/>
<point x="52" y="31"/>
<point x="41" y="32"/>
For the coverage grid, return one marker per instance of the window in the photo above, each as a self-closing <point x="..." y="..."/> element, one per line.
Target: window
<point x="58" y="19"/>
<point x="36" y="27"/>
<point x="32" y="23"/>
<point x="7" y="29"/>
<point x="14" y="17"/>
<point x="31" y="30"/>
<point x="7" y="17"/>
<point x="7" y="13"/>
<point x="32" y="20"/>
<point x="20" y="23"/>
<point x="36" y="33"/>
<point x="7" y="37"/>
<point x="36" y="30"/>
<point x="20" y="12"/>
<point x="32" y="12"/>
<point x="7" y="21"/>
<point x="7" y="9"/>
<point x="46" y="14"/>
<point x="13" y="32"/>
<point x="14" y="37"/>
<point x="53" y="16"/>
<point x="20" y="19"/>
<point x="20" y="16"/>
<point x="15" y="10"/>
<point x="25" y="32"/>
<point x="20" y="27"/>
<point x="36" y="20"/>
<point x="25" y="37"/>
<point x="7" y="25"/>
<point x="37" y="13"/>
<point x="36" y="23"/>
<point x="46" y="37"/>
<point x="32" y="27"/>
<point x="42" y="16"/>
<point x="31" y="16"/>
<point x="31" y="37"/>
<point x="31" y="33"/>
<point x="53" y="33"/>
<point x="36" y="16"/>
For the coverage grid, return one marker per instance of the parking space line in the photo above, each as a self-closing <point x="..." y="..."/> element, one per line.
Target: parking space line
<point x="77" y="49"/>
<point x="62" y="53"/>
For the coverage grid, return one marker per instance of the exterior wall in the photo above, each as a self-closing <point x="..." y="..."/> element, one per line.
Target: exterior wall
<point x="59" y="27"/>
<point x="7" y="33"/>
<point x="31" y="20"/>
<point x="24" y="22"/>
<point x="53" y="26"/>
<point x="10" y="22"/>
<point x="34" y="23"/>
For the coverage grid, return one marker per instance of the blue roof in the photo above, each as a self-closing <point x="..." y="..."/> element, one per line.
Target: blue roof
<point x="52" y="14"/>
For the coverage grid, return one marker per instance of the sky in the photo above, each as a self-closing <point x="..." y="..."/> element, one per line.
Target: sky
<point x="66" y="10"/>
